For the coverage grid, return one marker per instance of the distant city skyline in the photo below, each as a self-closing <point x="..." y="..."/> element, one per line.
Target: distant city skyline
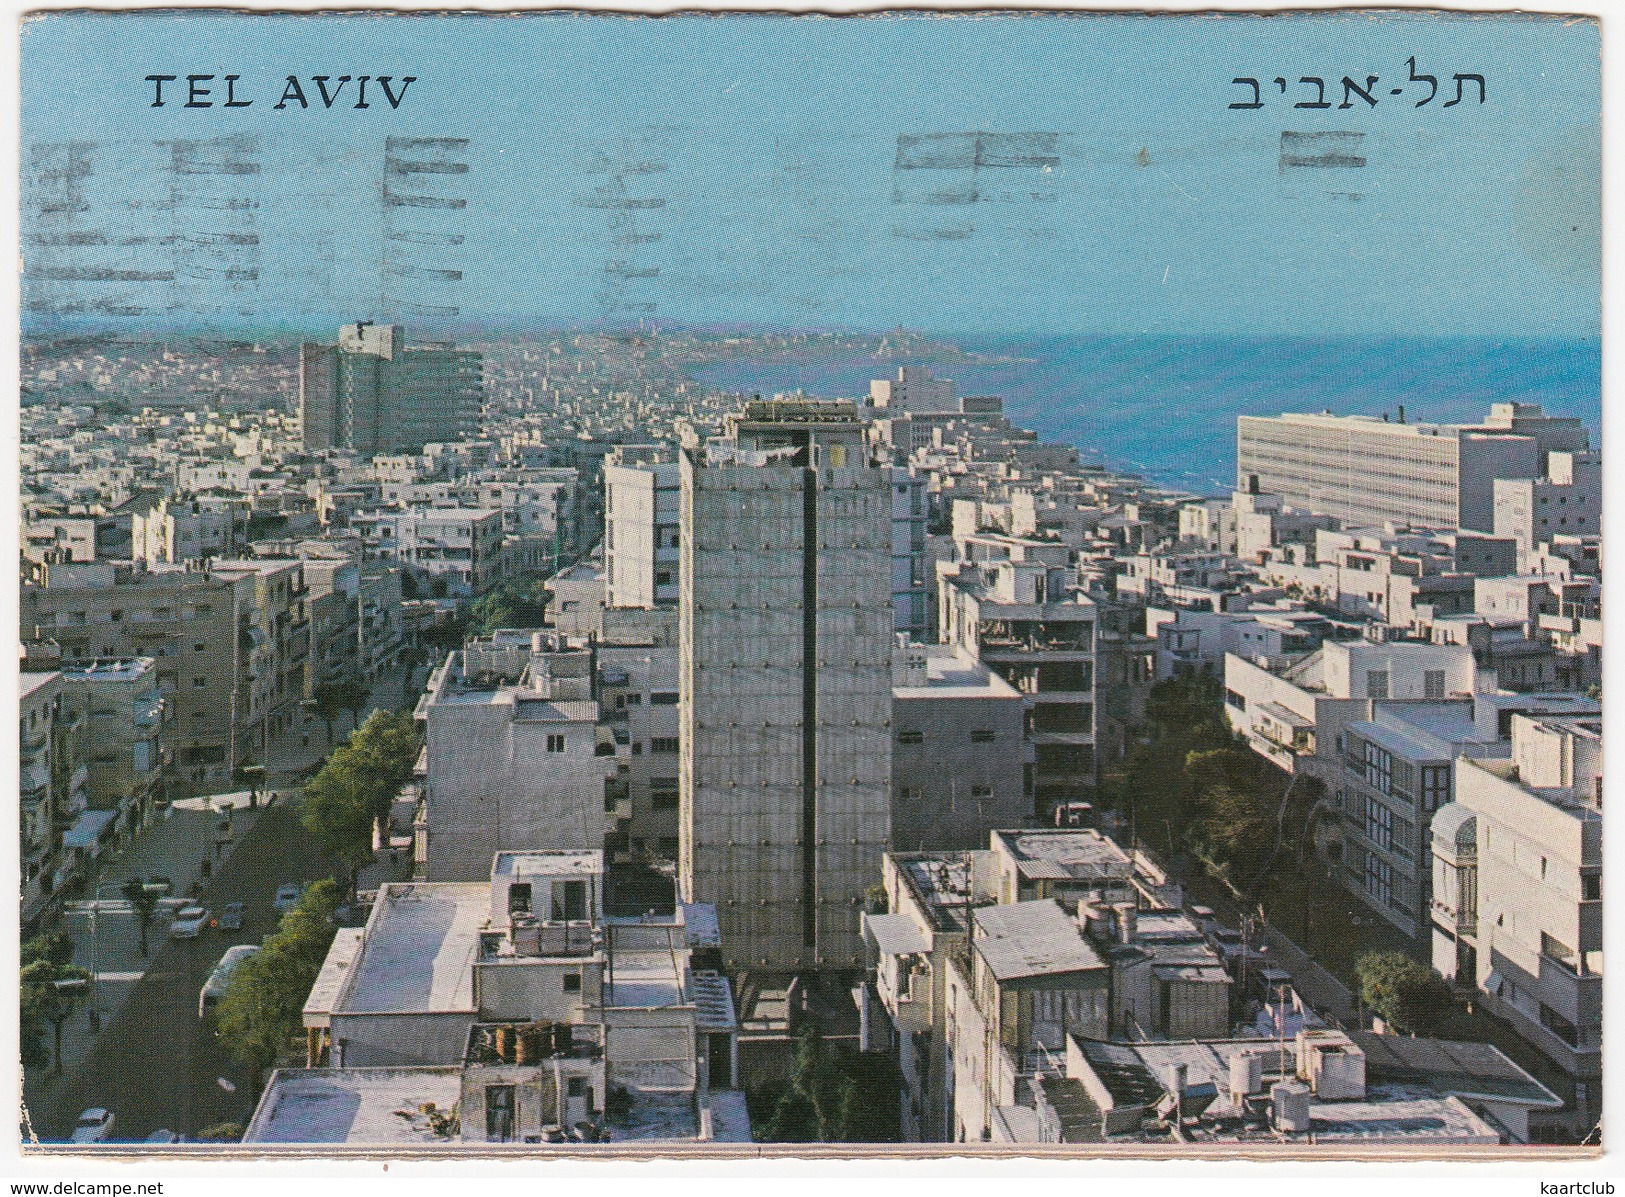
<point x="1028" y="176"/>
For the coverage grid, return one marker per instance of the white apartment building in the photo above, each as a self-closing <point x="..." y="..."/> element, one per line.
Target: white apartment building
<point x="1567" y="501"/>
<point x="1292" y="714"/>
<point x="514" y="1011"/>
<point x="515" y="756"/>
<point x="960" y="759"/>
<point x="1517" y="909"/>
<point x="454" y="551"/>
<point x="1028" y="624"/>
<point x="642" y="493"/>
<point x="1367" y="471"/>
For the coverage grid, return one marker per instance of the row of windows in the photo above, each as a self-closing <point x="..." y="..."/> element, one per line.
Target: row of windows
<point x="981" y="735"/>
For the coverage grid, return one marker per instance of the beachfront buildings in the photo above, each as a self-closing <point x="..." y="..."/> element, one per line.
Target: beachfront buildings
<point x="1367" y="471"/>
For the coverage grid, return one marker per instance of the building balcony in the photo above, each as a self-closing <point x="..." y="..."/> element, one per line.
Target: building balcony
<point x="1458" y="922"/>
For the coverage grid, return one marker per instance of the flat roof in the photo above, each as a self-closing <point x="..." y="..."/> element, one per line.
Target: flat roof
<point x="1467" y="1070"/>
<point x="27" y="683"/>
<point x="1075" y="853"/>
<point x="358" y="1106"/>
<point x="552" y="863"/>
<point x="418" y="949"/>
<point x="336" y="970"/>
<point x="896" y="934"/>
<point x="1032" y="939"/>
<point x="643" y="979"/>
<point x="950" y="675"/>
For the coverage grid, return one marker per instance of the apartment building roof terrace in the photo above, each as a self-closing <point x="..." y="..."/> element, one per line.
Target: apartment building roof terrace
<point x="1080" y="854"/>
<point x="419" y="942"/>
<point x="371" y="1106"/>
<point x="1028" y="940"/>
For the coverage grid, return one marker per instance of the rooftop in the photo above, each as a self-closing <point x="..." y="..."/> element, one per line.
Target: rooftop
<point x="1465" y="1070"/>
<point x="585" y="861"/>
<point x="1032" y="939"/>
<point x="363" y="1107"/>
<point x="420" y="943"/>
<point x="1080" y="854"/>
<point x="951" y="675"/>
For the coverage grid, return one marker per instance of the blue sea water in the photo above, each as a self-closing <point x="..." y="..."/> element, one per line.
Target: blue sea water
<point x="1166" y="406"/>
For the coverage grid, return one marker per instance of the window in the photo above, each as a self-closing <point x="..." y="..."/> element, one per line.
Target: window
<point x="663" y="793"/>
<point x="663" y="744"/>
<point x="1435" y="787"/>
<point x="572" y="982"/>
<point x="1232" y="699"/>
<point x="1379" y="768"/>
<point x="198" y="648"/>
<point x="1379" y="878"/>
<point x="981" y="791"/>
<point x="519" y="898"/>
<point x="569" y="901"/>
<point x="663" y="698"/>
<point x="499" y="1113"/>
<point x="1376" y="683"/>
<point x="555" y="743"/>
<point x="663" y="578"/>
<point x="1379" y="824"/>
<point x="632" y="700"/>
<point x="910" y="737"/>
<point x="982" y="735"/>
<point x="1591" y="887"/>
<point x="199" y="683"/>
<point x="1559" y="1026"/>
<point x="1433" y="683"/>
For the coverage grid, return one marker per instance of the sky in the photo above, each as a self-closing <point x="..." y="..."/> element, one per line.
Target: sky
<point x="1008" y="174"/>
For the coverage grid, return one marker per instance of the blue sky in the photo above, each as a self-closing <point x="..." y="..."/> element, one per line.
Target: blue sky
<point x="744" y="170"/>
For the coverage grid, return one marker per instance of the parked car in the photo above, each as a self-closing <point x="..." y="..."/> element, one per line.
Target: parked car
<point x="189" y="922"/>
<point x="163" y="1136"/>
<point x="231" y="917"/>
<point x="94" y="1126"/>
<point x="287" y="897"/>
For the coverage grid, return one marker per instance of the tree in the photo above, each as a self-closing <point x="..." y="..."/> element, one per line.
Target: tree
<point x="353" y="696"/>
<point x="1406" y="994"/>
<point x="145" y="903"/>
<point x="339" y="814"/>
<point x="55" y="946"/>
<point x="261" y="1011"/>
<point x="49" y="995"/>
<point x="835" y="1096"/>
<point x="221" y="1132"/>
<point x="516" y="604"/>
<point x="328" y="700"/>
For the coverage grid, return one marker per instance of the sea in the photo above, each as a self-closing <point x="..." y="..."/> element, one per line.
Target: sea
<point x="1165" y="407"/>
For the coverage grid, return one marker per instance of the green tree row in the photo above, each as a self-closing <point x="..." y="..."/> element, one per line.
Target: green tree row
<point x="352" y="793"/>
<point x="52" y="988"/>
<point x="260" y="1016"/>
<point x="515" y="604"/>
<point x="833" y="1096"/>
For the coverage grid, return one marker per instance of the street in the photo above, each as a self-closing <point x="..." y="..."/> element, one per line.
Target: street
<point x="155" y="1065"/>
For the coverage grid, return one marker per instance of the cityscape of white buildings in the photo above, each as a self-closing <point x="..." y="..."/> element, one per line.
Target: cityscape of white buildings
<point x="844" y="676"/>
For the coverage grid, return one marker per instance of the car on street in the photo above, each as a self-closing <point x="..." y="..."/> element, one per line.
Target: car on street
<point x="287" y="897"/>
<point x="94" y="1126"/>
<point x="189" y="922"/>
<point x="163" y="1136"/>
<point x="231" y="917"/>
